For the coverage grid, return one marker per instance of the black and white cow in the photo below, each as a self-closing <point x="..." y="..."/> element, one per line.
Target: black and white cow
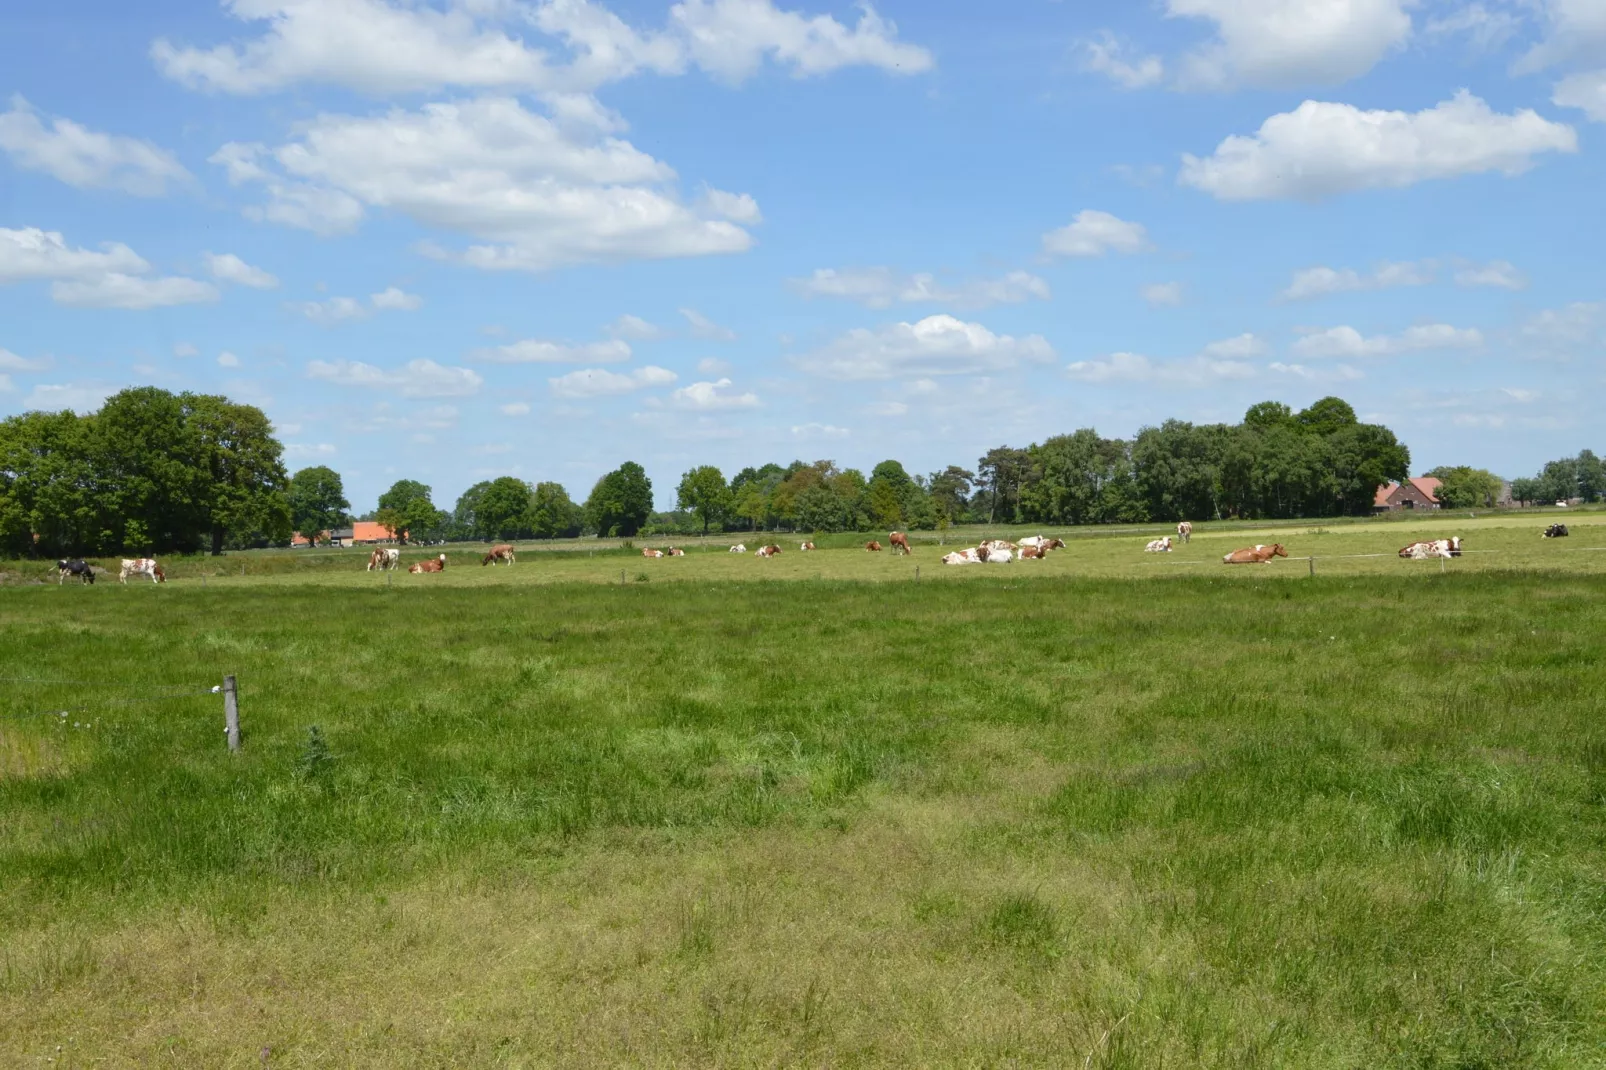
<point x="84" y="571"/>
<point x="1556" y="531"/>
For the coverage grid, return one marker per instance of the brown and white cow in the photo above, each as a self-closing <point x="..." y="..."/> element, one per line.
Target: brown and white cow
<point x="997" y="544"/>
<point x="142" y="566"/>
<point x="1257" y="555"/>
<point x="1031" y="553"/>
<point x="900" y="543"/>
<point x="962" y="557"/>
<point x="873" y="546"/>
<point x="1421" y="551"/>
<point x="1159" y="546"/>
<point x="499" y="554"/>
<point x="652" y="553"/>
<point x="767" y="551"/>
<point x="676" y="552"/>
<point x="435" y="564"/>
<point x="739" y="548"/>
<point x="1185" y="531"/>
<point x="805" y="546"/>
<point x="384" y="559"/>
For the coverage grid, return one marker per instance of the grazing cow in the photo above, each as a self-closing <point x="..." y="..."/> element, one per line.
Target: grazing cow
<point x="1421" y="551"/>
<point x="873" y="546"/>
<point x="900" y="543"/>
<point x="1185" y="531"/>
<point x="1159" y="546"/>
<point x="1556" y="531"/>
<point x="142" y="566"/>
<point x="1257" y="555"/>
<point x="84" y="571"/>
<point x="768" y="551"/>
<point x="437" y="564"/>
<point x="998" y="556"/>
<point x="805" y="546"/>
<point x="739" y="548"/>
<point x="503" y="552"/>
<point x="652" y="553"/>
<point x="384" y="560"/>
<point x="673" y="552"/>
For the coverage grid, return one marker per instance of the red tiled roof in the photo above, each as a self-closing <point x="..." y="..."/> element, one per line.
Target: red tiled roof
<point x="1428" y="486"/>
<point x="1381" y="498"/>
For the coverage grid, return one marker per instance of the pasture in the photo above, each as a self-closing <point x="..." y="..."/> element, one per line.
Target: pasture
<point x="1107" y="810"/>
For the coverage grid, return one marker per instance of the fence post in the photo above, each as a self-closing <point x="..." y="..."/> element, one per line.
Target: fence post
<point x="621" y="577"/>
<point x="917" y="573"/>
<point x="231" y="712"/>
<point x="1313" y="565"/>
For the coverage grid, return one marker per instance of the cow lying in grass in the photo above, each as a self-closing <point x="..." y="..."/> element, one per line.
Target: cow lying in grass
<point x="1159" y="546"/>
<point x="767" y="551"/>
<point x="1556" y="531"/>
<point x="739" y="548"/>
<point x="1257" y="555"/>
<point x="652" y="553"/>
<point x="873" y="546"/>
<point x="437" y="564"/>
<point x="805" y="546"/>
<point x="1421" y="551"/>
<point x="83" y="570"/>
<point x="971" y="556"/>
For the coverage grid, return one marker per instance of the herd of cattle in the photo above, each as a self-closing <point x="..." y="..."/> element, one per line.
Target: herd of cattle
<point x="991" y="552"/>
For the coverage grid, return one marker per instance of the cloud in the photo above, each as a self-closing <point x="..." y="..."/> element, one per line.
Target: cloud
<point x="1486" y="30"/>
<point x="383" y="48"/>
<point x="881" y="287"/>
<point x="79" y="397"/>
<point x="1163" y="294"/>
<point x="415" y="379"/>
<point x="132" y="292"/>
<point x="1585" y="91"/>
<point x="300" y="450"/>
<point x="713" y="366"/>
<point x="230" y="268"/>
<point x="705" y="328"/>
<point x="1341" y="373"/>
<point x="1282" y="44"/>
<point x="395" y="300"/>
<point x="714" y="395"/>
<point x="819" y="430"/>
<point x="1347" y="342"/>
<point x="5" y="385"/>
<point x="85" y="158"/>
<point x="336" y="310"/>
<point x="226" y="359"/>
<point x="185" y="349"/>
<point x="597" y="382"/>
<point x="1321" y="281"/>
<point x="115" y="277"/>
<point x="1242" y="347"/>
<point x="1575" y="32"/>
<point x="1321" y="150"/>
<point x="1561" y="333"/>
<point x="937" y="345"/>
<point x="10" y="362"/>
<point x="515" y="408"/>
<point x="539" y="195"/>
<point x="1095" y="233"/>
<point x="635" y="329"/>
<point x="1499" y="274"/>
<point x="534" y="351"/>
<point x="1136" y="368"/>
<point x="383" y="421"/>
<point x="1107" y="56"/>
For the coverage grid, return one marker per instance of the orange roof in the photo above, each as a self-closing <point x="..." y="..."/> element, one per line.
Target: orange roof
<point x="1381" y="498"/>
<point x="1429" y="486"/>
<point x="368" y="531"/>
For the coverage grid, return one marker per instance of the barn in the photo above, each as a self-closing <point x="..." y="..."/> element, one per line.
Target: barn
<point x="1419" y="493"/>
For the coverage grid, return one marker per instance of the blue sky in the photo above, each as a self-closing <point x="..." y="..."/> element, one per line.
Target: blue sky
<point x="456" y="239"/>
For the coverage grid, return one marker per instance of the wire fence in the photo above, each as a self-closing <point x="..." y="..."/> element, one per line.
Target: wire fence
<point x="145" y="696"/>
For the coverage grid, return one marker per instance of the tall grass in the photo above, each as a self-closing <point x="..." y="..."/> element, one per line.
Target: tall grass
<point x="1065" y="822"/>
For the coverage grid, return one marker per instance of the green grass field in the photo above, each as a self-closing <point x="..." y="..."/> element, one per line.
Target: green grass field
<point x="1106" y="810"/>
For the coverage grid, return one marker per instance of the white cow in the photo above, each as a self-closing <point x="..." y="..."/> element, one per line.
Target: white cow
<point x="1185" y="531"/>
<point x="739" y="548"/>
<point x="1159" y="546"/>
<point x="962" y="557"/>
<point x="999" y="556"/>
<point x="142" y="566"/>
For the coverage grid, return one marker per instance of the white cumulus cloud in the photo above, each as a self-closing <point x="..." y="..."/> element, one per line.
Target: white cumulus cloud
<point x="392" y="299"/>
<point x="1163" y="294"/>
<point x="635" y="329"/>
<point x="114" y="277"/>
<point x="336" y="310"/>
<point x="712" y="395"/>
<point x="1321" y="150"/>
<point x="819" y="430"/>
<point x="1498" y="274"/>
<point x="1136" y="368"/>
<point x="86" y="158"/>
<point x="536" y="351"/>
<point x="1287" y="43"/>
<point x="1321" y="281"/>
<point x="226" y="359"/>
<point x="881" y="287"/>
<point x="599" y="382"/>
<point x="132" y="292"/>
<point x="1347" y="342"/>
<point x="79" y="397"/>
<point x="229" y="268"/>
<point x="1586" y="91"/>
<point x="1108" y="56"/>
<point x="1094" y="233"/>
<point x="936" y="345"/>
<point x="415" y="379"/>
<point x="10" y="362"/>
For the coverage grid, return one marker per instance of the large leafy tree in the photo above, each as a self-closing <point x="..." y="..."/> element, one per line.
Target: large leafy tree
<point x="1002" y="471"/>
<point x="552" y="514"/>
<point x="50" y="488"/>
<point x="317" y="501"/>
<point x="621" y="502"/>
<point x="503" y="510"/>
<point x="950" y="491"/>
<point x="465" y="514"/>
<point x="406" y="511"/>
<point x="704" y="492"/>
<point x="152" y="466"/>
<point x="242" y="461"/>
<point x="1464" y="487"/>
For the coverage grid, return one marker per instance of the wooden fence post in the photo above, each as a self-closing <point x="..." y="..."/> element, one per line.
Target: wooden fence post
<point x="231" y="712"/>
<point x="1313" y="566"/>
<point x="917" y="573"/>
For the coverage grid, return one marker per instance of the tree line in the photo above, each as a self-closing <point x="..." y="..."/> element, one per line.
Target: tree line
<point x="159" y="472"/>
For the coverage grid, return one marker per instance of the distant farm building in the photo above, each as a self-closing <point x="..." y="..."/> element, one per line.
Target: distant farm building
<point x="362" y="533"/>
<point x="1419" y="493"/>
